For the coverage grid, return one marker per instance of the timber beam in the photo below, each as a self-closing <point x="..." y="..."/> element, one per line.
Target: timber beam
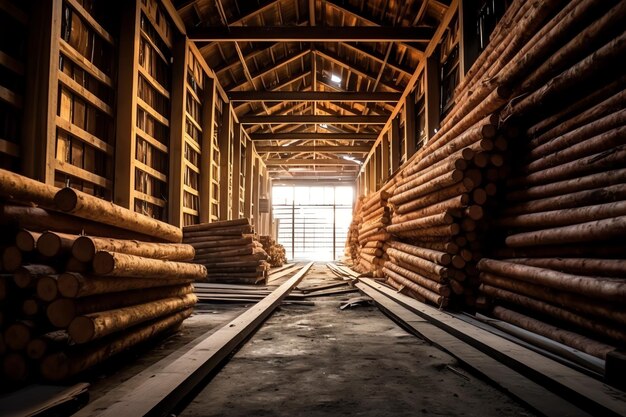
<point x="312" y="119"/>
<point x="313" y="136"/>
<point x="371" y="97"/>
<point x="311" y="148"/>
<point x="305" y="162"/>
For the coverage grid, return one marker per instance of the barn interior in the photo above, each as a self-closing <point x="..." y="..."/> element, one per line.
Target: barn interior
<point x="312" y="207"/>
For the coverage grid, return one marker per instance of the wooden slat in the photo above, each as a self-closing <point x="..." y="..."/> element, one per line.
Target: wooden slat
<point x="82" y="174"/>
<point x="151" y="171"/>
<point x="192" y="166"/>
<point x="152" y="141"/>
<point x="298" y="162"/>
<point x="13" y="11"/>
<point x="156" y="27"/>
<point x="152" y="112"/>
<point x="190" y="190"/>
<point x="154" y="83"/>
<point x="188" y="210"/>
<point x="84" y="63"/>
<point x="154" y="46"/>
<point x="150" y="199"/>
<point x="313" y="136"/>
<point x="312" y="119"/>
<point x="91" y="21"/>
<point x="193" y="121"/>
<point x="11" y="63"/>
<point x="85" y="136"/>
<point x="9" y="148"/>
<point x="11" y="97"/>
<point x="84" y="93"/>
<point x="338" y="96"/>
<point x="192" y="142"/>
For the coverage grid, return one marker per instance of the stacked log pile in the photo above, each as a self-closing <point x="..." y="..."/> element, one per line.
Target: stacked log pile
<point x="557" y="268"/>
<point x="352" y="238"/>
<point x="275" y="251"/>
<point x="372" y="233"/>
<point x="229" y="250"/>
<point x="69" y="300"/>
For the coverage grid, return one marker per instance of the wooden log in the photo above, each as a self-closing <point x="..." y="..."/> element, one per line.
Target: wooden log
<point x="50" y="342"/>
<point x="447" y="247"/>
<point x="565" y="217"/>
<point x="446" y="180"/>
<point x="423" y="292"/>
<point x="217" y="225"/>
<point x="26" y="276"/>
<point x="596" y="144"/>
<point x="122" y="265"/>
<point x="436" y="287"/>
<point x="74" y="265"/>
<point x="61" y="312"/>
<point x="594" y="181"/>
<point x="22" y="189"/>
<point x="89" y="327"/>
<point x="47" y="289"/>
<point x="570" y="200"/>
<point x="216" y="238"/>
<point x="609" y="249"/>
<point x="440" y="257"/>
<point x="373" y="245"/>
<point x="221" y="243"/>
<point x="4" y="288"/>
<point x="230" y="231"/>
<point x="85" y="248"/>
<point x="212" y="253"/>
<point x="17" y="335"/>
<point x="26" y="240"/>
<point x="242" y="261"/>
<point x="584" y="232"/>
<point x="89" y="207"/>
<point x="74" y="285"/>
<point x="455" y="162"/>
<point x="424" y="272"/>
<point x="585" y="266"/>
<point x="15" y="367"/>
<point x="435" y="197"/>
<point x="434" y="220"/>
<point x="60" y="366"/>
<point x="12" y="258"/>
<point x="452" y="205"/>
<point x="435" y="231"/>
<point x="555" y="312"/>
<point x="52" y="244"/>
<point x="597" y="287"/>
<point x="32" y="307"/>
<point x="579" y="342"/>
<point x="611" y="312"/>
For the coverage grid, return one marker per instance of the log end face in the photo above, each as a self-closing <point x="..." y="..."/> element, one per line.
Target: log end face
<point x="81" y="330"/>
<point x="35" y="349"/>
<point x="25" y="241"/>
<point x="83" y="249"/>
<point x="66" y="199"/>
<point x="61" y="312"/>
<point x="49" y="244"/>
<point x="103" y="263"/>
<point x="11" y="258"/>
<point x="14" y="367"/>
<point x="47" y="289"/>
<point x="68" y="285"/>
<point x="55" y="367"/>
<point x="16" y="336"/>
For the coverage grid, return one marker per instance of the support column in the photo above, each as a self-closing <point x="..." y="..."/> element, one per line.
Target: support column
<point x="208" y="118"/>
<point x="236" y="170"/>
<point x="247" y="211"/>
<point x="433" y="101"/>
<point x="410" y="127"/>
<point x="225" y="180"/>
<point x="384" y="148"/>
<point x="394" y="133"/>
<point x="177" y="129"/>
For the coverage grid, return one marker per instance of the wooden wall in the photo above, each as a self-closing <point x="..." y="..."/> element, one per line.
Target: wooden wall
<point x="113" y="99"/>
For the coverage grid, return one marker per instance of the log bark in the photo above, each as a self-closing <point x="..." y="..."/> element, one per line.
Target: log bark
<point x="217" y="225"/>
<point x="230" y="231"/>
<point x="89" y="207"/>
<point x="565" y="217"/>
<point x="74" y="285"/>
<point x="585" y="266"/>
<point x="61" y="312"/>
<point x="435" y="231"/>
<point x="122" y="265"/>
<point x="60" y="366"/>
<point x="456" y="161"/>
<point x="582" y="343"/>
<point x="55" y="341"/>
<point x="434" y="220"/>
<point x="440" y="257"/>
<point x="584" y="232"/>
<point x="85" y="248"/>
<point x="436" y="287"/>
<point x="26" y="276"/>
<point x="453" y="204"/>
<point x="435" y="197"/>
<point x="52" y="244"/>
<point x="610" y="289"/>
<point x="423" y="292"/>
<point x="446" y="180"/>
<point x="94" y="326"/>
<point x="221" y="243"/>
<point x="22" y="189"/>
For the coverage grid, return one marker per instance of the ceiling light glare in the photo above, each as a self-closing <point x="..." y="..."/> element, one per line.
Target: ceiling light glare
<point x="335" y="78"/>
<point x="324" y="125"/>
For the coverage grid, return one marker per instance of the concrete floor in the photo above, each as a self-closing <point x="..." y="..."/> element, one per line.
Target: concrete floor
<point x="322" y="361"/>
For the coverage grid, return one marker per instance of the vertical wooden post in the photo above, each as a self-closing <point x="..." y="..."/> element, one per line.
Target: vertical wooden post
<point x="372" y="168"/>
<point x="126" y="110"/>
<point x="384" y="148"/>
<point x="177" y="131"/>
<point x="256" y="179"/>
<point x="378" y="167"/>
<point x="469" y="47"/>
<point x="394" y="133"/>
<point x="225" y="180"/>
<point x="410" y="126"/>
<point x="247" y="212"/>
<point x="206" y="156"/>
<point x="236" y="169"/>
<point x="433" y="101"/>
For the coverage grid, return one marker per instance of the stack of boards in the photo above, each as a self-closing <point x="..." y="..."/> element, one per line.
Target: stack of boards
<point x="229" y="250"/>
<point x="83" y="279"/>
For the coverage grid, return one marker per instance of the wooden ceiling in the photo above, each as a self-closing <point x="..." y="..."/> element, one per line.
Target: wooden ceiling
<point x="312" y="81"/>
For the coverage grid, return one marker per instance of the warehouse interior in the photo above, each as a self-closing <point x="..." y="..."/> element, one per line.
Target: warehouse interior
<point x="312" y="207"/>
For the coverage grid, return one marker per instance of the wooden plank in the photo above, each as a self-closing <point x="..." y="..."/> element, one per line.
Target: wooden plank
<point x="313" y="136"/>
<point x="152" y="141"/>
<point x="339" y="96"/>
<point x="150" y="199"/>
<point x="14" y="11"/>
<point x="225" y="167"/>
<point x="206" y="157"/>
<point x="9" y="148"/>
<point x="505" y="378"/>
<point x="237" y="170"/>
<point x="11" y="63"/>
<point x="82" y="174"/>
<point x="178" y="117"/>
<point x="584" y="391"/>
<point x="85" y="136"/>
<point x="152" y="112"/>
<point x="312" y="148"/>
<point x="311" y="33"/>
<point x="294" y="162"/>
<point x="84" y="63"/>
<point x="154" y="83"/>
<point x="11" y="97"/>
<point x="85" y="94"/>
<point x="312" y="119"/>
<point x="171" y="383"/>
<point x="151" y="171"/>
<point x="84" y="14"/>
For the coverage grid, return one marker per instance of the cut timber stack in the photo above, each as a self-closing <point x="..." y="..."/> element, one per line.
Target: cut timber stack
<point x="70" y="300"/>
<point x="229" y="250"/>
<point x="557" y="266"/>
<point x="352" y="239"/>
<point x="374" y="217"/>
<point x="275" y="251"/>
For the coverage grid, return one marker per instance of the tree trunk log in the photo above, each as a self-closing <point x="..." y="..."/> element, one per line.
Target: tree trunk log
<point x="122" y="265"/>
<point x="26" y="276"/>
<point x="423" y="292"/>
<point x="26" y="240"/>
<point x="85" y="248"/>
<point x="74" y="285"/>
<point x="15" y="187"/>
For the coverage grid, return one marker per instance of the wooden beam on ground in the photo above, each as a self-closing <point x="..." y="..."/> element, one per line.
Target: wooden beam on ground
<point x="311" y="33"/>
<point x="366" y="97"/>
<point x="313" y="136"/>
<point x="522" y="388"/>
<point x="159" y="395"/>
<point x="304" y="162"/>
<point x="583" y="391"/>
<point x="312" y="119"/>
<point x="311" y="148"/>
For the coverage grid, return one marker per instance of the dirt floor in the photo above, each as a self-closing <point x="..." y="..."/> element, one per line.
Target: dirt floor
<point x="322" y="361"/>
